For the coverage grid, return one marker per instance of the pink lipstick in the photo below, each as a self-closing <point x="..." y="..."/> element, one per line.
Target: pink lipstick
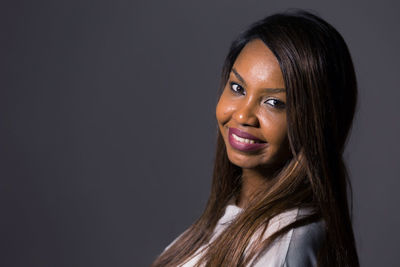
<point x="244" y="141"/>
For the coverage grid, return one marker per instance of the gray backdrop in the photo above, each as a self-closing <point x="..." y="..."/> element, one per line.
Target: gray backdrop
<point x="108" y="128"/>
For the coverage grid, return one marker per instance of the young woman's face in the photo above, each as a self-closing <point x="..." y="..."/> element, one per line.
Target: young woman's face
<point x="251" y="111"/>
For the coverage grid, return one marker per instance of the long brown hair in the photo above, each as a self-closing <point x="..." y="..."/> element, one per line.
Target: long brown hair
<point x="321" y="99"/>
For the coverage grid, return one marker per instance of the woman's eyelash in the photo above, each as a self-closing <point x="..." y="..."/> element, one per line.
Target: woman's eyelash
<point x="236" y="88"/>
<point x="273" y="102"/>
<point x="276" y="103"/>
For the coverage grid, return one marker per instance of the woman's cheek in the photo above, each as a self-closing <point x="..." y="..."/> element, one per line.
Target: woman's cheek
<point x="274" y="128"/>
<point x="224" y="110"/>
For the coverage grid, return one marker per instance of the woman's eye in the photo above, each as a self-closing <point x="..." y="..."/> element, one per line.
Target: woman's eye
<point x="275" y="103"/>
<point x="237" y="88"/>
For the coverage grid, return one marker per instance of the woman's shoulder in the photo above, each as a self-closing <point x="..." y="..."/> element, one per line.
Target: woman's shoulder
<point x="298" y="247"/>
<point x="305" y="244"/>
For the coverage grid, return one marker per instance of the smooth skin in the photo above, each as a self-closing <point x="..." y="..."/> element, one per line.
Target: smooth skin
<point x="253" y="100"/>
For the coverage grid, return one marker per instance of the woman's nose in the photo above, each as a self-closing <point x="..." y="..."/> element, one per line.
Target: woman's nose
<point x="245" y="115"/>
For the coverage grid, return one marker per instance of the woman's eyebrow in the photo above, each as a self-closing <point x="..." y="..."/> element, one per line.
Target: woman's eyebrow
<point x="275" y="90"/>
<point x="268" y="90"/>
<point x="240" y="78"/>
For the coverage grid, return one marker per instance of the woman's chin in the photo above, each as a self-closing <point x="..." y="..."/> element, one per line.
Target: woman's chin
<point x="244" y="162"/>
<point x="255" y="163"/>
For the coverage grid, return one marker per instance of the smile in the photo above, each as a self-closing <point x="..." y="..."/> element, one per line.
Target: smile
<point x="244" y="140"/>
<point x="242" y="143"/>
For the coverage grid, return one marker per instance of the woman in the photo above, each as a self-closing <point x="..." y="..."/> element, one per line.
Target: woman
<point x="278" y="195"/>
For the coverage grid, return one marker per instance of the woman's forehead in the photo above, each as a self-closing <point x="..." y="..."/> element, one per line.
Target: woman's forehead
<point x="257" y="63"/>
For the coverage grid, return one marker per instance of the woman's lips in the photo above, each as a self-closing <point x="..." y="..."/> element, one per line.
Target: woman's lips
<point x="244" y="141"/>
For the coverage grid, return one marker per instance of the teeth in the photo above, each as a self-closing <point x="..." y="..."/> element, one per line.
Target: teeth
<point x="243" y="140"/>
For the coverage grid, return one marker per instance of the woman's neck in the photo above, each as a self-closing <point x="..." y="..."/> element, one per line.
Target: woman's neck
<point x="252" y="181"/>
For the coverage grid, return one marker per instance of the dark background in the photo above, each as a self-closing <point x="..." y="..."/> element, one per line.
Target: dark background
<point x="108" y="128"/>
